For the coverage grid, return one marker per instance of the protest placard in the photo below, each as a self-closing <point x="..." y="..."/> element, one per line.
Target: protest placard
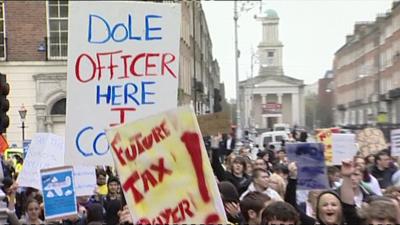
<point x="84" y="180"/>
<point x="370" y="141"/>
<point x="57" y="185"/>
<point x="395" y="141"/>
<point x="164" y="168"/>
<point x="343" y="147"/>
<point x="310" y="161"/>
<point x="325" y="136"/>
<point x="123" y="64"/>
<point x="46" y="151"/>
<point x="214" y="123"/>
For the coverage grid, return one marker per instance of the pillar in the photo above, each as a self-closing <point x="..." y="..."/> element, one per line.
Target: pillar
<point x="295" y="109"/>
<point x="279" y="95"/>
<point x="263" y="119"/>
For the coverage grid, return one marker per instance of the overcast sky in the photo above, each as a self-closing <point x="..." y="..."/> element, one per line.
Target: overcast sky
<point x="310" y="30"/>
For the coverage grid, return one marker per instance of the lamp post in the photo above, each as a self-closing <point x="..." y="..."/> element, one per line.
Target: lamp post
<point x="22" y="113"/>
<point x="237" y="54"/>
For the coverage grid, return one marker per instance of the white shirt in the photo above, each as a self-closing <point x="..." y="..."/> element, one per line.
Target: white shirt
<point x="228" y="143"/>
<point x="269" y="191"/>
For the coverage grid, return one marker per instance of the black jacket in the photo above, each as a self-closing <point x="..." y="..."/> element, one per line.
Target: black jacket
<point x="384" y="177"/>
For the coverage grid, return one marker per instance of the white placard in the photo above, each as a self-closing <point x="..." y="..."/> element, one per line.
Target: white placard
<point x="85" y="180"/>
<point x="343" y="147"/>
<point x="395" y="141"/>
<point x="46" y="151"/>
<point x="123" y="65"/>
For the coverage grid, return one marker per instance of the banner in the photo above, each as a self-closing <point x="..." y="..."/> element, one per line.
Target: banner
<point x="85" y="180"/>
<point x="343" y="147"/>
<point x="310" y="161"/>
<point x="58" y="193"/>
<point x="370" y="141"/>
<point x="123" y="62"/>
<point x="395" y="141"/>
<point x="165" y="173"/>
<point x="46" y="151"/>
<point x="271" y="108"/>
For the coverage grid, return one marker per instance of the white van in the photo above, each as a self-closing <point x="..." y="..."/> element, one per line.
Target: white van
<point x="282" y="127"/>
<point x="272" y="138"/>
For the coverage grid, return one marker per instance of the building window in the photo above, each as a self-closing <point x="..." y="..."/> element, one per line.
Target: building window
<point x="59" y="107"/>
<point x="2" y="32"/>
<point x="270" y="54"/>
<point x="57" y="12"/>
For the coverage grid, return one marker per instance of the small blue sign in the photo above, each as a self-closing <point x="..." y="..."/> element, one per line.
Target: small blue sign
<point x="26" y="145"/>
<point x="58" y="192"/>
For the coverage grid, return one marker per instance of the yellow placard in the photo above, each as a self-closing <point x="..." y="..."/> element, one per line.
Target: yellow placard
<point x="165" y="173"/>
<point x="370" y="141"/>
<point x="325" y="136"/>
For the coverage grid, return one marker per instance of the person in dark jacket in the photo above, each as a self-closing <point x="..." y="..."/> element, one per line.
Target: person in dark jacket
<point x="230" y="199"/>
<point x="331" y="209"/>
<point x="383" y="170"/>
<point x="237" y="177"/>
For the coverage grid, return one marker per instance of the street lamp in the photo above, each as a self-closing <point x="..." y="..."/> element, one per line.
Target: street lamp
<point x="236" y="15"/>
<point x="22" y="113"/>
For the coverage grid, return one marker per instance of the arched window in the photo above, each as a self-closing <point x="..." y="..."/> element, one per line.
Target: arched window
<point x="59" y="107"/>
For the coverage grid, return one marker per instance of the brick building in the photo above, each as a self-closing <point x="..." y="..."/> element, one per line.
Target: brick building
<point x="367" y="75"/>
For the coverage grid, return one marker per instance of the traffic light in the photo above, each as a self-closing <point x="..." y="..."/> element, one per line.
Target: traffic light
<point x="4" y="103"/>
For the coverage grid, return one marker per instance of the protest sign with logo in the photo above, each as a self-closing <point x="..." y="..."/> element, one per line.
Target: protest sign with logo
<point x="123" y="64"/>
<point x="370" y="141"/>
<point x="395" y="141"/>
<point x="58" y="192"/>
<point x="310" y="161"/>
<point x="46" y="151"/>
<point x="343" y="147"/>
<point x="165" y="173"/>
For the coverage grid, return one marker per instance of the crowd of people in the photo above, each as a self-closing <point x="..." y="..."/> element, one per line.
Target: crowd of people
<point x="258" y="186"/>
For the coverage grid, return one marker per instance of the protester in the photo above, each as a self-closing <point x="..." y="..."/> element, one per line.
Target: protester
<point x="261" y="184"/>
<point x="251" y="206"/>
<point x="32" y="209"/>
<point x="230" y="199"/>
<point x="280" y="213"/>
<point x="333" y="177"/>
<point x="368" y="180"/>
<point x="278" y="184"/>
<point x="383" y="170"/>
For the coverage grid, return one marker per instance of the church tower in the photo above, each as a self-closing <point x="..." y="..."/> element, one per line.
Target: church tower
<point x="270" y="47"/>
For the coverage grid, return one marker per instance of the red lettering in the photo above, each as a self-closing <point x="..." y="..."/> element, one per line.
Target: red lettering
<point x="175" y="217"/>
<point x="130" y="185"/>
<point x="118" y="151"/>
<point x="132" y="68"/>
<point x="143" y="221"/>
<point x="166" y="214"/>
<point x="192" y="144"/>
<point x="149" y="65"/>
<point x="78" y="68"/>
<point x="186" y="207"/>
<point x="160" y="169"/>
<point x="125" y="59"/>
<point x="148" y="141"/>
<point x="122" y="111"/>
<point x="146" y="178"/>
<point x="164" y="128"/>
<point x="212" y="219"/>
<point x="157" y="134"/>
<point x="164" y="64"/>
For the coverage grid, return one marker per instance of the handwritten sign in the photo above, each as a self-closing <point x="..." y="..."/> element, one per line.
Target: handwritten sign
<point x="123" y="62"/>
<point x="165" y="172"/>
<point x="310" y="161"/>
<point x="46" y="151"/>
<point x="344" y="147"/>
<point x="325" y="136"/>
<point x="58" y="193"/>
<point x="395" y="141"/>
<point x="370" y="141"/>
<point x="85" y="180"/>
<point x="214" y="123"/>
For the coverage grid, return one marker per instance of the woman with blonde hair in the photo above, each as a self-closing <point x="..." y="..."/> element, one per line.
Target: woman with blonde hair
<point x="277" y="183"/>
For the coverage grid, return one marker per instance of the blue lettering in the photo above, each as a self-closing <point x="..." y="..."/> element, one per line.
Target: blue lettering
<point x="107" y="95"/>
<point x="130" y="94"/>
<point x="144" y="93"/>
<point x="90" y="31"/>
<point x="115" y="96"/>
<point x="95" y="144"/>
<point x="148" y="28"/>
<point x="113" y="33"/>
<point x="78" y="146"/>
<point x="130" y="29"/>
